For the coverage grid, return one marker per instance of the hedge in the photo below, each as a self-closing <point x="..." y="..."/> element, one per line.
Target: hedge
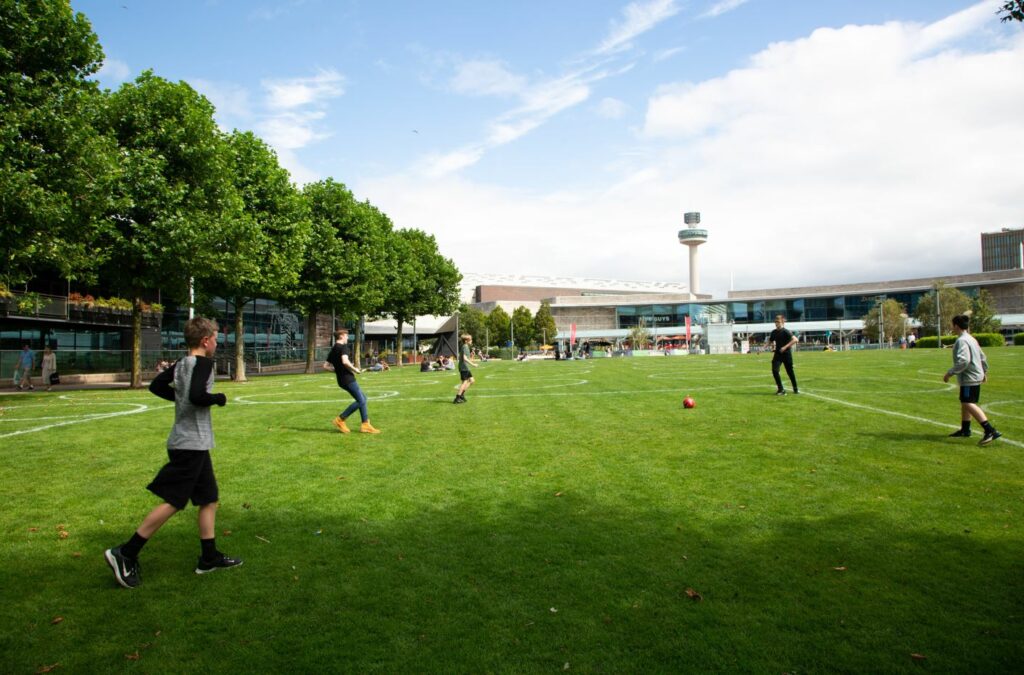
<point x="984" y="339"/>
<point x="1018" y="339"/>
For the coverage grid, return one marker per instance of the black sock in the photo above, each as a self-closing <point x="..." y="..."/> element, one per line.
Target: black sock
<point x="965" y="426"/>
<point x="209" y="548"/>
<point x="987" y="426"/>
<point x="133" y="547"/>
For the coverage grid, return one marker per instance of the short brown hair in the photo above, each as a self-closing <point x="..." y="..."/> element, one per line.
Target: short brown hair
<point x="466" y="337"/>
<point x="338" y="333"/>
<point x="198" y="328"/>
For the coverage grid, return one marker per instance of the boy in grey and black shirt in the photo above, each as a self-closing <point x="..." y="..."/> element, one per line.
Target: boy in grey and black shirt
<point x="971" y="369"/>
<point x="188" y="474"/>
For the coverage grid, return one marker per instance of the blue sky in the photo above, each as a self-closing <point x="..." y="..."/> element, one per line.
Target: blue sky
<point x="823" y="142"/>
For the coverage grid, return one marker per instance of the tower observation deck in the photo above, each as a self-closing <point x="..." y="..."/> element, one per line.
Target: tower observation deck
<point x="693" y="237"/>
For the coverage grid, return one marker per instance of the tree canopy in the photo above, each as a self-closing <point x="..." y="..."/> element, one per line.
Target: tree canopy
<point x="891" y="316"/>
<point x="56" y="167"/>
<point x="951" y="301"/>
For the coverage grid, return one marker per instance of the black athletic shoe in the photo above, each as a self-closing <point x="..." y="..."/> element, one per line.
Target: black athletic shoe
<point x="961" y="434"/>
<point x="989" y="437"/>
<point x="780" y="392"/>
<point x="126" y="570"/>
<point x="459" y="399"/>
<point x="223" y="562"/>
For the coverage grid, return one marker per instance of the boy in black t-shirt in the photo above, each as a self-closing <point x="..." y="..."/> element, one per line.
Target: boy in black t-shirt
<point x="783" y="342"/>
<point x="340" y="361"/>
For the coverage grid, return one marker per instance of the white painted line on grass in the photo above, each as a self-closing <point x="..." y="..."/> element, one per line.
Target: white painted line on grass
<point x="139" y="408"/>
<point x="893" y="413"/>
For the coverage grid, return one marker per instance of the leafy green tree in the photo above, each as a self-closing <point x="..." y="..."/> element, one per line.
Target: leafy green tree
<point x="56" y="166"/>
<point x="544" y="328"/>
<point x="342" y="269"/>
<point x="640" y="335"/>
<point x="474" y="322"/>
<point x="522" y="322"/>
<point x="422" y="280"/>
<point x="499" y="324"/>
<point x="891" y="315"/>
<point x="173" y="195"/>
<point x="267" y="238"/>
<point x="983" y="314"/>
<point x="952" y="301"/>
<point x="1012" y="10"/>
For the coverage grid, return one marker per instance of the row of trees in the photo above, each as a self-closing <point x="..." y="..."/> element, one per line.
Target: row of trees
<point x="138" y="189"/>
<point x="934" y="313"/>
<point x="523" y="328"/>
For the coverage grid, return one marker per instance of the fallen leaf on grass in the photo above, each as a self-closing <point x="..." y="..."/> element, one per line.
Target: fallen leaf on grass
<point x="262" y="538"/>
<point x="47" y="669"/>
<point x="226" y="533"/>
<point x="918" y="657"/>
<point x="64" y="534"/>
<point x="841" y="568"/>
<point x="246" y="505"/>
<point x="558" y="494"/>
<point x="341" y="477"/>
<point x="56" y="620"/>
<point x="554" y="611"/>
<point x="134" y="656"/>
<point x="76" y="554"/>
<point x="693" y="595"/>
<point x="34" y="529"/>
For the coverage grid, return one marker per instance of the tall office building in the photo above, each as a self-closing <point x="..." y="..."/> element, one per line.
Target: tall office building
<point x="1002" y="250"/>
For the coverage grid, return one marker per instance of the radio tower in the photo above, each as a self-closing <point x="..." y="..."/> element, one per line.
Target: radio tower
<point x="693" y="237"/>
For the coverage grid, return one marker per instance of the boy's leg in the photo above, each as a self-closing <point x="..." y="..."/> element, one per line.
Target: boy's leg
<point x="789" y="371"/>
<point x="124" y="559"/>
<point x="776" y="365"/>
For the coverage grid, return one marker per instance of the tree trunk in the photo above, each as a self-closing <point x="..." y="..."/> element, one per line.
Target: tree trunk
<point x="136" y="370"/>
<point x="357" y="349"/>
<point x="239" y="340"/>
<point x="310" y="341"/>
<point x="398" y="344"/>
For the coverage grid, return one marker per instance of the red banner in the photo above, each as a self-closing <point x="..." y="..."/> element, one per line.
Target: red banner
<point x="687" y="330"/>
<point x="572" y="333"/>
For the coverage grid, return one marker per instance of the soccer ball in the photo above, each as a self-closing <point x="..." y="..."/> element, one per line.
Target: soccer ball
<point x="688" y="402"/>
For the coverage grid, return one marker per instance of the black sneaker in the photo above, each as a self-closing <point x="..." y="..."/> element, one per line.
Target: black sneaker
<point x="780" y="392"/>
<point x="126" y="570"/>
<point x="459" y="399"/>
<point x="989" y="437"/>
<point x="961" y="434"/>
<point x="206" y="566"/>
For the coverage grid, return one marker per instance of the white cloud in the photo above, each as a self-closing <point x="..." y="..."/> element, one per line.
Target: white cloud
<point x="665" y="54"/>
<point x="722" y="7"/>
<point x="231" y="100"/>
<point x="486" y="78"/>
<point x="114" y="71"/>
<point x="639" y="17"/>
<point x="612" y="108"/>
<point x="302" y="91"/>
<point x="852" y="154"/>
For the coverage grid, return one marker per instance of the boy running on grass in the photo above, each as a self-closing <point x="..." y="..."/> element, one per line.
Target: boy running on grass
<point x="971" y="369"/>
<point x="188" y="473"/>
<point x="340" y="361"/>
<point x="464" y="372"/>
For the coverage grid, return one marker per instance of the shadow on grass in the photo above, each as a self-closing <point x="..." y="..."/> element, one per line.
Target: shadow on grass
<point x="525" y="587"/>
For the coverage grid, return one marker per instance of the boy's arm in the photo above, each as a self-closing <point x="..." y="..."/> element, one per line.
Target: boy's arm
<point x="161" y="384"/>
<point x="197" y="393"/>
<point x="348" y="364"/>
<point x="961" y="357"/>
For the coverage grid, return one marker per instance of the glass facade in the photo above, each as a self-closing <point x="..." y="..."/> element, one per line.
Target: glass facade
<point x="1002" y="250"/>
<point x="268" y="325"/>
<point x="828" y="308"/>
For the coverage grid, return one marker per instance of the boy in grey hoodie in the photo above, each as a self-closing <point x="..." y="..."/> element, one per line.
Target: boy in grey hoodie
<point x="188" y="473"/>
<point x="971" y="369"/>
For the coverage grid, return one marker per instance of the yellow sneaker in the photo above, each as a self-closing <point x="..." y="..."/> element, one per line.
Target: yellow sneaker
<point x="340" y="423"/>
<point x="368" y="428"/>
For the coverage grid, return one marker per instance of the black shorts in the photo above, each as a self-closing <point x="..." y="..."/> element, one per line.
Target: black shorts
<point x="465" y="374"/>
<point x="188" y="474"/>
<point x="970" y="393"/>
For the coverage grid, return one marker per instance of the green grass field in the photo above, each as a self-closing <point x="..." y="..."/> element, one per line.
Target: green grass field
<point x="571" y="516"/>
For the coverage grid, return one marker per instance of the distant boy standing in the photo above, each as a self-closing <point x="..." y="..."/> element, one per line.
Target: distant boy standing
<point x="188" y="473"/>
<point x="340" y="361"/>
<point x="783" y="342"/>
<point x="464" y="372"/>
<point x="971" y="369"/>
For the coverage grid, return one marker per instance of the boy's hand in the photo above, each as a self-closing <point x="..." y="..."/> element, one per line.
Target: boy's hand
<point x="222" y="400"/>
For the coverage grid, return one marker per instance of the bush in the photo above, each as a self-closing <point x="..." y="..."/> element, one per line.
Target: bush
<point x="984" y="339"/>
<point x="990" y="339"/>
<point x="1018" y="339"/>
